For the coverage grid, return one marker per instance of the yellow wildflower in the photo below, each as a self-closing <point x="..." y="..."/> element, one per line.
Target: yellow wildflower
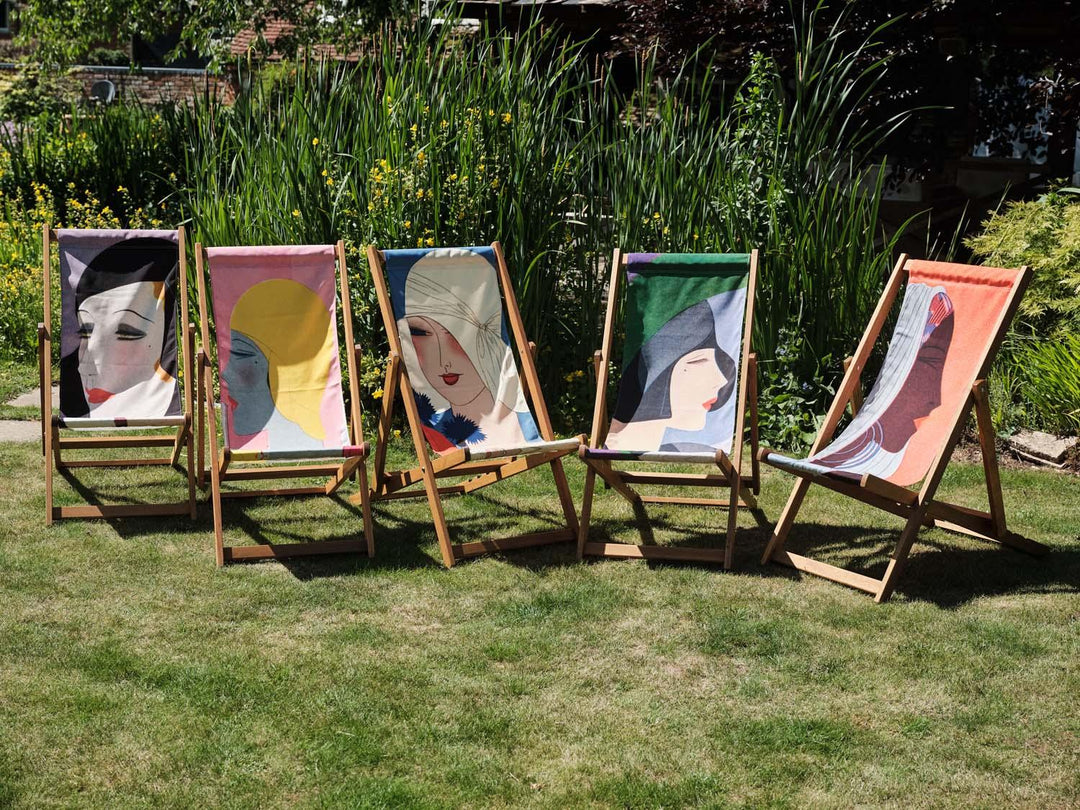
<point x="296" y="212"/>
<point x="329" y="181"/>
<point x="314" y="141"/>
<point x="408" y="224"/>
<point x="325" y="172"/>
<point x="377" y="393"/>
<point x="506" y="118"/>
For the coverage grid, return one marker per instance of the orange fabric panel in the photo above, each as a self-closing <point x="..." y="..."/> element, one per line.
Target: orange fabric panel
<point x="979" y="296"/>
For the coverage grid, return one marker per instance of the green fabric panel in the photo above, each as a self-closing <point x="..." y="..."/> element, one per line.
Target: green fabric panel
<point x="661" y="288"/>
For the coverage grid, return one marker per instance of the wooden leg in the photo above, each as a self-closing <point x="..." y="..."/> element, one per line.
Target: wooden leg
<point x="787" y="517"/>
<point x="439" y="518"/>
<point x="215" y="479"/>
<point x="50" y="438"/>
<point x="203" y="402"/>
<point x="44" y="386"/>
<point x="752" y="393"/>
<point x="565" y="498"/>
<point x="386" y="414"/>
<point x="586" y="511"/>
<point x="899" y="557"/>
<point x="733" y="514"/>
<point x="610" y="476"/>
<point x="365" y="509"/>
<point x="989" y="457"/>
<point x="178" y="444"/>
<point x="191" y="472"/>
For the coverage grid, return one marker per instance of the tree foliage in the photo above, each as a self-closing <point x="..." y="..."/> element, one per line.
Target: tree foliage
<point x="981" y="70"/>
<point x="64" y="31"/>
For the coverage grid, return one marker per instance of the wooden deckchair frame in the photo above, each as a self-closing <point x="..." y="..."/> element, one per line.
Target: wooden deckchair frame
<point x="53" y="444"/>
<point x="225" y="465"/>
<point x="481" y="469"/>
<point x="920" y="508"/>
<point x="741" y="487"/>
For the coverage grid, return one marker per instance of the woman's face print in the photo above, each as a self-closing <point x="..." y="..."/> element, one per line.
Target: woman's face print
<point x="921" y="392"/>
<point x="696" y="380"/>
<point x="126" y="325"/>
<point x="443" y="362"/>
<point x="247" y="378"/>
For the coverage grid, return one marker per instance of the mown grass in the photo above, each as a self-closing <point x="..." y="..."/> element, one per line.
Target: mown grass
<point x="132" y="672"/>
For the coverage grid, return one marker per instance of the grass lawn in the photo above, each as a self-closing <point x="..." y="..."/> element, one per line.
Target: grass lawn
<point x="132" y="672"/>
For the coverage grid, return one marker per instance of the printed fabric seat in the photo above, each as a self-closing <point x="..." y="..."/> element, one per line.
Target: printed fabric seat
<point x="452" y="360"/>
<point x="688" y="376"/>
<point x="949" y="327"/>
<point x="121" y="293"/>
<point x="276" y="330"/>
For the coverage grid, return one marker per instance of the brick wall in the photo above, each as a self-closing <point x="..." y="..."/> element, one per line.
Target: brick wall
<point x="152" y="85"/>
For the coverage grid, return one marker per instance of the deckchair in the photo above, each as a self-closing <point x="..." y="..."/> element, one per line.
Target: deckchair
<point x="688" y="376"/>
<point x="949" y="327"/>
<point x="118" y="357"/>
<point x="275" y="319"/>
<point x="452" y="362"/>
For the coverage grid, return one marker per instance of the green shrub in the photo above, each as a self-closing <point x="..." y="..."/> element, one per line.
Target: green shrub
<point x="35" y="90"/>
<point x="1040" y="364"/>
<point x="1044" y="234"/>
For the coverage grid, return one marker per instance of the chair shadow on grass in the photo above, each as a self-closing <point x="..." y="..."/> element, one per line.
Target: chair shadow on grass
<point x="943" y="568"/>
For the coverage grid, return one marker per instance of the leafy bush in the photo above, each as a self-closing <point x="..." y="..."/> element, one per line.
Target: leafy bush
<point x="1040" y="364"/>
<point x="34" y="91"/>
<point x="1044" y="234"/>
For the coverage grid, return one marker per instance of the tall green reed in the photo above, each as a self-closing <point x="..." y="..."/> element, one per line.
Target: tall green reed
<point x="433" y="138"/>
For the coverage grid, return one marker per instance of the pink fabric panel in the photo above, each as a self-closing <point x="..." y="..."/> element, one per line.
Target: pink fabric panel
<point x="236" y="270"/>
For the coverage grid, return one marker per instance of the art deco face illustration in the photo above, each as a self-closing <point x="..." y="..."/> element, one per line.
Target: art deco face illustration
<point x="247" y="378"/>
<point x="126" y="326"/>
<point x="696" y="380"/>
<point x="443" y="361"/>
<point x="280" y="353"/>
<point x="921" y="391"/>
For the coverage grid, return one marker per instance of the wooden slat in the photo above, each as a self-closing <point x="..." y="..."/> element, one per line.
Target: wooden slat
<point x="282" y="550"/>
<point x="259" y="493"/>
<point x="456" y="489"/>
<point x="852" y="490"/>
<point x="888" y="490"/>
<point x="516" y="542"/>
<point x="260" y="473"/>
<point x="976" y="523"/>
<point x="95" y="442"/>
<point x="119" y="462"/>
<point x="820" y="569"/>
<point x="630" y="551"/>
<point x="121" y="510"/>
<point x="673" y="479"/>
<point x="510" y="469"/>
<point x="670" y="499"/>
